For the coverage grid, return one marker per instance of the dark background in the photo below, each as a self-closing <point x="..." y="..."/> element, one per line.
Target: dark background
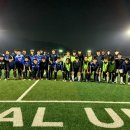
<point x="71" y="24"/>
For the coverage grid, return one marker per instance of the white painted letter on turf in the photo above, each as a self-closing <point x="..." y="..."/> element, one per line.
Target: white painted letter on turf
<point x="38" y="120"/>
<point x="16" y="119"/>
<point x="126" y="111"/>
<point x="118" y="122"/>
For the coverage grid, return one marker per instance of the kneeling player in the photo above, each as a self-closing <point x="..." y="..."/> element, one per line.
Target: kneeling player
<point x="76" y="69"/>
<point x="67" y="70"/>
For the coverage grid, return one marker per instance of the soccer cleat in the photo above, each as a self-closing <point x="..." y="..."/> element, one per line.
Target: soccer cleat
<point x="122" y="83"/>
<point x="128" y="83"/>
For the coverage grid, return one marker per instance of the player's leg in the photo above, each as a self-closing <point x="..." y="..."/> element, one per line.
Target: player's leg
<point x="121" y="76"/>
<point x="79" y="76"/>
<point x="128" y="77"/>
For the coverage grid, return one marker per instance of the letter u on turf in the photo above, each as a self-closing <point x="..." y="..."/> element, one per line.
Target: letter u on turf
<point x="117" y="121"/>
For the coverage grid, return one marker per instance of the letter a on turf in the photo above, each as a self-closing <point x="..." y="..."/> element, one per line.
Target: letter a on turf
<point x="118" y="122"/>
<point x="38" y="120"/>
<point x="16" y="119"/>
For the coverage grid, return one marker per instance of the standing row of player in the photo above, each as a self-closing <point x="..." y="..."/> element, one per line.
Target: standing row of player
<point x="74" y="67"/>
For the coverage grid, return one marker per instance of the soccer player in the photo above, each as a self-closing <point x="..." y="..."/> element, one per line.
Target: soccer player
<point x="12" y="66"/>
<point x="53" y="55"/>
<point x="95" y="69"/>
<point x="57" y="66"/>
<point x="105" y="66"/>
<point x="67" y="67"/>
<point x="89" y="55"/>
<point x="38" y="56"/>
<point x="74" y="54"/>
<point x="86" y="69"/>
<point x="67" y="56"/>
<point x="109" y="56"/>
<point x="126" y="69"/>
<point x="2" y="65"/>
<point x="32" y="55"/>
<point x="43" y="68"/>
<point x="76" y="69"/>
<point x="27" y="69"/>
<point x="35" y="69"/>
<point x="7" y="57"/>
<point x="112" y="70"/>
<point x="50" y="69"/>
<point x="19" y="61"/>
<point x="119" y="70"/>
<point x="81" y="56"/>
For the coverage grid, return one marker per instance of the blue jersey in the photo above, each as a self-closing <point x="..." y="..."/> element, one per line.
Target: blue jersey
<point x="126" y="67"/>
<point x="39" y="58"/>
<point x="58" y="65"/>
<point x="94" y="67"/>
<point x="46" y="57"/>
<point x="27" y="64"/>
<point x="53" y="57"/>
<point x="19" y="59"/>
<point x="35" y="66"/>
<point x="32" y="57"/>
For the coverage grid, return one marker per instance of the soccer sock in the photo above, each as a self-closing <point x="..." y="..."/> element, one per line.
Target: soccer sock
<point x="99" y="78"/>
<point x="107" y="78"/>
<point x="72" y="77"/>
<point x="121" y="79"/>
<point x="79" y="78"/>
<point x="116" y="79"/>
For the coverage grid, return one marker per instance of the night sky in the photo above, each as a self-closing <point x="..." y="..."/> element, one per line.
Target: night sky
<point x="76" y="24"/>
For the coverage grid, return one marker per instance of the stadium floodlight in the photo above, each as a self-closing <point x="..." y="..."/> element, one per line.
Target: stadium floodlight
<point x="60" y="51"/>
<point x="128" y="32"/>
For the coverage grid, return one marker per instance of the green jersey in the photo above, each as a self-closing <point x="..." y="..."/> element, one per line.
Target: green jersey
<point x="105" y="66"/>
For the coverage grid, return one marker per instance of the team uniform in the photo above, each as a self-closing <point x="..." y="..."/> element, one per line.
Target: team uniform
<point x="95" y="68"/>
<point x="86" y="70"/>
<point x="126" y="70"/>
<point x="7" y="66"/>
<point x="105" y="71"/>
<point x="43" y="68"/>
<point x="67" y="67"/>
<point x="57" y="66"/>
<point x="2" y="66"/>
<point x="35" y="70"/>
<point x="119" y="70"/>
<point x="27" y="70"/>
<point x="19" y="61"/>
<point x="76" y="70"/>
<point x="112" y="71"/>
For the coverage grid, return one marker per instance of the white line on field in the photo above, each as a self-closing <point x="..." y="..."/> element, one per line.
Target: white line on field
<point x="27" y="91"/>
<point x="56" y="101"/>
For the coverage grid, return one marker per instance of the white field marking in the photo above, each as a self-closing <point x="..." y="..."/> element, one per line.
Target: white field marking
<point x="27" y="91"/>
<point x="56" y="101"/>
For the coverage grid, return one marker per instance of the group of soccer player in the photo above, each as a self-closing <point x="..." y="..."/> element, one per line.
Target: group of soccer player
<point x="74" y="66"/>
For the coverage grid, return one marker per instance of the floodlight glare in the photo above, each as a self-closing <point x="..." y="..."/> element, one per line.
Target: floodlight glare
<point x="128" y="32"/>
<point x="60" y="51"/>
<point x="89" y="50"/>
